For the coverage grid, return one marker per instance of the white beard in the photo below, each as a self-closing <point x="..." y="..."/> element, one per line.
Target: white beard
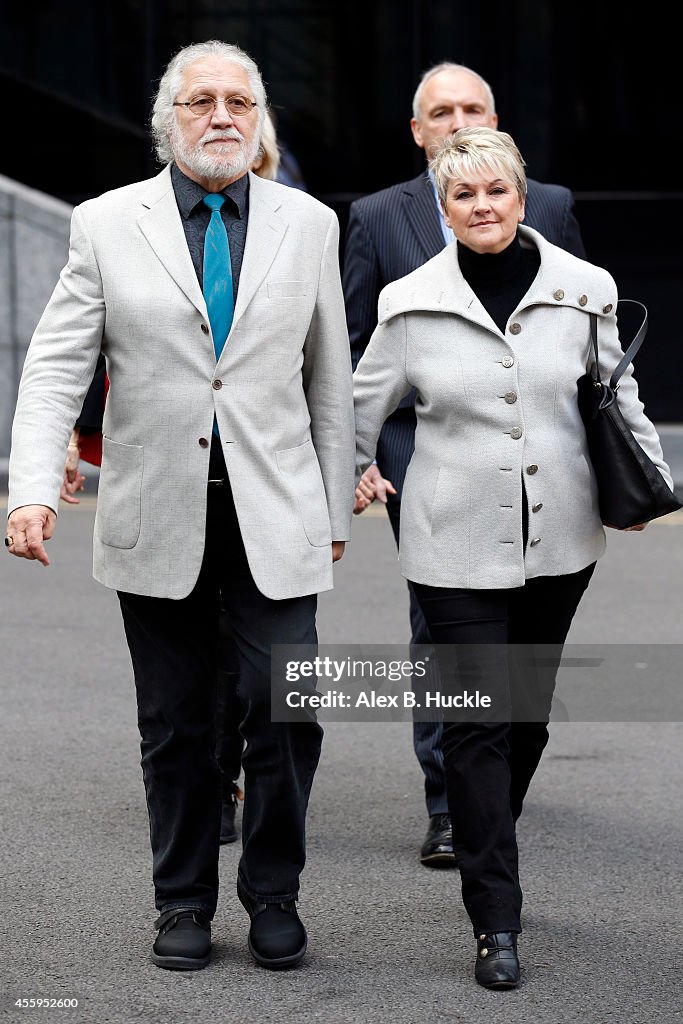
<point x="214" y="166"/>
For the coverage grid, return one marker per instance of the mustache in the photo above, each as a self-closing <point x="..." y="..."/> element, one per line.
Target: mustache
<point x="215" y="136"/>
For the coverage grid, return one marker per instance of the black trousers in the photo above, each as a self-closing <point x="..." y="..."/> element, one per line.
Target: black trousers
<point x="173" y="646"/>
<point x="508" y="641"/>
<point x="229" y="742"/>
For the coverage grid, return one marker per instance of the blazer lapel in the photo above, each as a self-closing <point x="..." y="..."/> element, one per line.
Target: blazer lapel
<point x="162" y="226"/>
<point x="422" y="215"/>
<point x="265" y="232"/>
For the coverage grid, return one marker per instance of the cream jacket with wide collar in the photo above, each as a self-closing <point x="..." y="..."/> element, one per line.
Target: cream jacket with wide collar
<point x="495" y="409"/>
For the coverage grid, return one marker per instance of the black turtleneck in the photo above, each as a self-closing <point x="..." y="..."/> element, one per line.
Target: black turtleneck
<point x="501" y="279"/>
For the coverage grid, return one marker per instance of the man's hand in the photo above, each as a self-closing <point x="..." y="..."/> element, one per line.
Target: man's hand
<point x="27" y="528"/>
<point x="627" y="529"/>
<point x="337" y="549"/>
<point x="372" y="485"/>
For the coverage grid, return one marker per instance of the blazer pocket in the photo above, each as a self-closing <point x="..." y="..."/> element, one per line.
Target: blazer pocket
<point x="287" y="289"/>
<point x="119" y="494"/>
<point x="300" y="465"/>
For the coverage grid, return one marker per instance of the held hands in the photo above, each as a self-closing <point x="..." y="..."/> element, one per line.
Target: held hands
<point x="372" y="485"/>
<point x="27" y="528"/>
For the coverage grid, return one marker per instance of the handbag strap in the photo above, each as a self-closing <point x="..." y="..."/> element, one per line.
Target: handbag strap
<point x="630" y="352"/>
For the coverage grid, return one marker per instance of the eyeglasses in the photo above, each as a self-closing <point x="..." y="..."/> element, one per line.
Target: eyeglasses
<point x="238" y="106"/>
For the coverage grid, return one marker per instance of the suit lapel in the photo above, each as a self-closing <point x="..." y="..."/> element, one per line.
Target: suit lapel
<point x="265" y="232"/>
<point x="162" y="226"/>
<point x="422" y="215"/>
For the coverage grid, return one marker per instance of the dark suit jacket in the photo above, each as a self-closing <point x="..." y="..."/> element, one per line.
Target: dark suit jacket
<point x="393" y="232"/>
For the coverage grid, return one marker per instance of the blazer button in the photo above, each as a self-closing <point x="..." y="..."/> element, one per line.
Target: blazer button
<point x="534" y="542"/>
<point x="203" y="443"/>
<point x="515" y="328"/>
<point x="583" y="299"/>
<point x="205" y="329"/>
<point x="532" y="469"/>
<point x="507" y="362"/>
<point x="558" y="295"/>
<point x="516" y="433"/>
<point x="511" y="398"/>
<point x="607" y="308"/>
<point x="217" y="384"/>
<point x="537" y="507"/>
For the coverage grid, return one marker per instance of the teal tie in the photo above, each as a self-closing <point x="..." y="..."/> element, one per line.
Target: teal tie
<point x="217" y="278"/>
<point x="217" y="274"/>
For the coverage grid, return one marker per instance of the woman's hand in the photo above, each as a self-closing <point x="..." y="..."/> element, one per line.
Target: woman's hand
<point x="73" y="478"/>
<point x="372" y="485"/>
<point x="627" y="529"/>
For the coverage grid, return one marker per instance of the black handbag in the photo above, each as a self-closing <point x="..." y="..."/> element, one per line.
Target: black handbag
<point x="631" y="490"/>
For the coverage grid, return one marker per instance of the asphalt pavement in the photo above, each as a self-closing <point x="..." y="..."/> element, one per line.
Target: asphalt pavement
<point x="600" y="839"/>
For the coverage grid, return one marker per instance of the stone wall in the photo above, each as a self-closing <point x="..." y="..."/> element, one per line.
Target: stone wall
<point x="34" y="246"/>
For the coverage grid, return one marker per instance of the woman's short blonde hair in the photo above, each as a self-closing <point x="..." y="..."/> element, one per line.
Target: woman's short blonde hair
<point x="268" y="157"/>
<point x="470" y="151"/>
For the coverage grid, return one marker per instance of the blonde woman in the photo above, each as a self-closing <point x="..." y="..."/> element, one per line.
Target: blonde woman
<point x="500" y="526"/>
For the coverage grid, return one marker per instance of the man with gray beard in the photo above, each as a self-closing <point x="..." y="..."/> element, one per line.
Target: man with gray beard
<point x="227" y="474"/>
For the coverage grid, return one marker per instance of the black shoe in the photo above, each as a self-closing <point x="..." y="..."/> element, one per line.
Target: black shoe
<point x="228" y="814"/>
<point x="184" y="940"/>
<point x="277" y="938"/>
<point x="437" y="849"/>
<point x="497" y="963"/>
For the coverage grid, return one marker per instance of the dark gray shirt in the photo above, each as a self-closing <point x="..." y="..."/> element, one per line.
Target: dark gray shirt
<point x="195" y="217"/>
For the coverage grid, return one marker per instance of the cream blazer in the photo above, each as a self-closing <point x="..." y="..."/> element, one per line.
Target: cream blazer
<point x="494" y="408"/>
<point x="281" y="391"/>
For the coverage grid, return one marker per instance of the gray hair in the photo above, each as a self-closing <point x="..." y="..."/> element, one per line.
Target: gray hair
<point x="163" y="112"/>
<point x="472" y="150"/>
<point x="448" y="66"/>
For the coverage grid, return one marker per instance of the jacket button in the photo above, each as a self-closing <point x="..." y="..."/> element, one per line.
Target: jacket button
<point x="534" y="542"/>
<point x="511" y="398"/>
<point x="216" y="384"/>
<point x="507" y="362"/>
<point x="537" y="507"/>
<point x="607" y="308"/>
<point x="515" y="328"/>
<point x="559" y="295"/>
<point x="583" y="299"/>
<point x="516" y="433"/>
<point x="532" y="469"/>
<point x="203" y="443"/>
<point x="205" y="329"/>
